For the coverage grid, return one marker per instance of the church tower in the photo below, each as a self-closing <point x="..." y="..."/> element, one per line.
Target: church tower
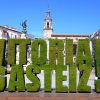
<point x="48" y="24"/>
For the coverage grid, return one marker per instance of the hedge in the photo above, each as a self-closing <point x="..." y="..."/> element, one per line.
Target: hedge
<point x="72" y="78"/>
<point x="43" y="52"/>
<point x="72" y="67"/>
<point x="60" y="88"/>
<point x="22" y="50"/>
<point x="59" y="78"/>
<point x="83" y="45"/>
<point x="97" y="86"/>
<point x="47" y="77"/>
<point x="16" y="81"/>
<point x="2" y="78"/>
<point x="2" y="51"/>
<point x="31" y="72"/>
<point x="69" y="51"/>
<point x="82" y="86"/>
<point x="97" y="57"/>
<point x="84" y="68"/>
<point x="56" y="50"/>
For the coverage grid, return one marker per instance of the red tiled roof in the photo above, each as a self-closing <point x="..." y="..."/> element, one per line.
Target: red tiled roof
<point x="68" y="35"/>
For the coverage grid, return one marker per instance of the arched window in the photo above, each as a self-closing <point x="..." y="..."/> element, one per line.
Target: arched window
<point x="47" y="24"/>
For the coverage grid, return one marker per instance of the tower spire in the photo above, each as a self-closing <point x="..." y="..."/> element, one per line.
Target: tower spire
<point x="48" y="24"/>
<point x="48" y="14"/>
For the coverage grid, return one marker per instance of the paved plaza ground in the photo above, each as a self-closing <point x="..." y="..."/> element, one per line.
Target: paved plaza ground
<point x="49" y="96"/>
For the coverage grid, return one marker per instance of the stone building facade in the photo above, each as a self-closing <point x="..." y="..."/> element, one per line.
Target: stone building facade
<point x="48" y="30"/>
<point x="7" y="32"/>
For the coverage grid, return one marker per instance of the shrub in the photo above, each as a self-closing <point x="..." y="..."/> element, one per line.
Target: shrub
<point x="82" y="86"/>
<point x="56" y="51"/>
<point x="97" y="86"/>
<point x="60" y="88"/>
<point x="69" y="51"/>
<point x="59" y="77"/>
<point x="72" y="67"/>
<point x="47" y="77"/>
<point x="36" y="60"/>
<point x="2" y="78"/>
<point x="2" y="51"/>
<point x="84" y="55"/>
<point x="97" y="58"/>
<point x="72" y="78"/>
<point x="22" y="50"/>
<point x="31" y="72"/>
<point x="16" y="79"/>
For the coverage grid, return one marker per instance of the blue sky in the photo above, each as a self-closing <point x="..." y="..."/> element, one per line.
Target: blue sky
<point x="69" y="16"/>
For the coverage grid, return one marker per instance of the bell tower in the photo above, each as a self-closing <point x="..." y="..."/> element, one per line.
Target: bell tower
<point x="48" y="24"/>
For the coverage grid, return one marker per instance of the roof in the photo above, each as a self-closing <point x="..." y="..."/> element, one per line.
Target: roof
<point x="68" y="35"/>
<point x="10" y="28"/>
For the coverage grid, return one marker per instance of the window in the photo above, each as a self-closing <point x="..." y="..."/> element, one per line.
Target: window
<point x="5" y="34"/>
<point x="47" y="24"/>
<point x="15" y="36"/>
